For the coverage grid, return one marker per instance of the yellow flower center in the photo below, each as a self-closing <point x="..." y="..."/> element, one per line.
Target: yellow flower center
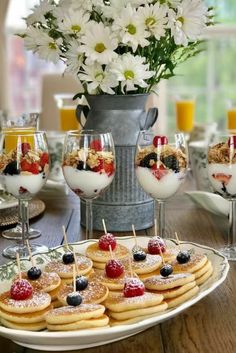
<point x="99" y="76"/>
<point x="131" y="29"/>
<point x="100" y="47"/>
<point x="181" y="19"/>
<point x="52" y="46"/>
<point x="128" y="74"/>
<point x="150" y="21"/>
<point x="75" y="28"/>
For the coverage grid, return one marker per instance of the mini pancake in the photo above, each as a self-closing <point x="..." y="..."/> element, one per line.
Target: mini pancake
<point x="36" y="326"/>
<point x="66" y="271"/>
<point x="129" y="314"/>
<point x="174" y="280"/>
<point x="81" y="325"/>
<point x="175" y="292"/>
<point x="118" y="303"/>
<point x="205" y="276"/>
<point x="194" y="264"/>
<point x="182" y="298"/>
<point x="69" y="314"/>
<point x="96" y="254"/>
<point x="113" y="284"/>
<point x="69" y="280"/>
<point x="169" y="254"/>
<point x="150" y="264"/>
<point x="47" y="282"/>
<point x="56" y="304"/>
<point x="148" y="275"/>
<point x="25" y="318"/>
<point x="95" y="293"/>
<point x="203" y="269"/>
<point x="54" y="292"/>
<point x="113" y="322"/>
<point x="37" y="302"/>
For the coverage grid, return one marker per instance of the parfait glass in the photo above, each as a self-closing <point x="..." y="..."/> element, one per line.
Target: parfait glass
<point x="161" y="164"/>
<point x="24" y="168"/>
<point x="221" y="168"/>
<point x="23" y="124"/>
<point x="88" y="167"/>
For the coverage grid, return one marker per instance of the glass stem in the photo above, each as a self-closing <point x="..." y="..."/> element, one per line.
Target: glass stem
<point x="89" y="219"/>
<point x="161" y="218"/>
<point x="19" y="223"/>
<point x="24" y="219"/>
<point x="232" y="224"/>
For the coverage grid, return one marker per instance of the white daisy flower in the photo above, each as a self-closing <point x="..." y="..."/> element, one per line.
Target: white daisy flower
<point x="131" y="71"/>
<point x="130" y="30"/>
<point x="31" y="36"/>
<point x="188" y="21"/>
<point x="154" y="18"/>
<point x="99" y="43"/>
<point x="48" y="48"/>
<point x="98" y="78"/>
<point x="115" y="6"/>
<point x="74" y="22"/>
<point x="39" y="11"/>
<point x="74" y="57"/>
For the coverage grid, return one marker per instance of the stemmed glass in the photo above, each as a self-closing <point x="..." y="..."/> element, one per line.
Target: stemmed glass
<point x="88" y="167"/>
<point x="161" y="165"/>
<point x="24" y="168"/>
<point x="221" y="168"/>
<point x="24" y="124"/>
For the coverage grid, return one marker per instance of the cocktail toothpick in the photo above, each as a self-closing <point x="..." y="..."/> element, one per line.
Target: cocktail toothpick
<point x="130" y="268"/>
<point x="65" y="237"/>
<point x="104" y="226"/>
<point x="74" y="279"/>
<point x="30" y="253"/>
<point x="135" y="236"/>
<point x="18" y="265"/>
<point x="76" y="264"/>
<point x="163" y="261"/>
<point x="155" y="227"/>
<point x="111" y="252"/>
<point x="178" y="242"/>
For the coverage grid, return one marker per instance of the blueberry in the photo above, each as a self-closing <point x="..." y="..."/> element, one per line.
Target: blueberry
<point x="68" y="258"/>
<point x="183" y="257"/>
<point x="11" y="168"/>
<point x="166" y="270"/>
<point x="171" y="163"/>
<point x="81" y="283"/>
<point x="145" y="161"/>
<point x="74" y="299"/>
<point x="139" y="255"/>
<point x="34" y="273"/>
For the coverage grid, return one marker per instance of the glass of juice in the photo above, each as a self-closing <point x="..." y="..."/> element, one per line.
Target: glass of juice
<point x="67" y="110"/>
<point x="185" y="113"/>
<point x="231" y="114"/>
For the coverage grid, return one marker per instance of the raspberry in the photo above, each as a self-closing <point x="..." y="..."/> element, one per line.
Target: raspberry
<point x="100" y="166"/>
<point x="34" y="168"/>
<point x="44" y="159"/>
<point x="22" y="190"/>
<point x="96" y="145"/>
<point x="25" y="147"/>
<point x="114" y="269"/>
<point x="158" y="172"/>
<point x="155" y="244"/>
<point x="109" y="168"/>
<point x="25" y="166"/>
<point x="160" y="141"/>
<point x="133" y="288"/>
<point x="106" y="240"/>
<point x="21" y="289"/>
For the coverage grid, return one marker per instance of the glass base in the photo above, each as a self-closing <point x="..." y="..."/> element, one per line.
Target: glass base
<point x="10" y="251"/>
<point x="16" y="233"/>
<point x="229" y="252"/>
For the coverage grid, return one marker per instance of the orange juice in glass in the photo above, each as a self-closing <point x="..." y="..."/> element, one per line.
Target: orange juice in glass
<point x="67" y="112"/>
<point x="231" y="118"/>
<point x="185" y="112"/>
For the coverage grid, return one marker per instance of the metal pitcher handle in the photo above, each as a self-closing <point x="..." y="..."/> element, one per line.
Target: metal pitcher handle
<point x="151" y="118"/>
<point x="79" y="110"/>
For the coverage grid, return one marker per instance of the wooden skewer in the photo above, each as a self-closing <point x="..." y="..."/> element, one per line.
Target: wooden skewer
<point x="111" y="253"/>
<point x="30" y="253"/>
<point x="104" y="226"/>
<point x="18" y="265"/>
<point x="155" y="225"/>
<point x="161" y="253"/>
<point x="65" y="237"/>
<point x="130" y="267"/>
<point x="135" y="236"/>
<point x="76" y="264"/>
<point x="74" y="278"/>
<point x="178" y="242"/>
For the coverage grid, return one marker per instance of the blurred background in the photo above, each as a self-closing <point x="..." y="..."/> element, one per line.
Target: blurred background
<point x="209" y="77"/>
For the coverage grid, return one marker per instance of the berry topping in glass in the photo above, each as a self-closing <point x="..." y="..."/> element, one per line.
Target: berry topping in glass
<point x="96" y="145"/>
<point x="159" y="141"/>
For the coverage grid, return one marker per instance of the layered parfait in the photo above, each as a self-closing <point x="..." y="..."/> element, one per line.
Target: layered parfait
<point x="161" y="168"/>
<point x="222" y="167"/>
<point x="89" y="171"/>
<point x="24" y="170"/>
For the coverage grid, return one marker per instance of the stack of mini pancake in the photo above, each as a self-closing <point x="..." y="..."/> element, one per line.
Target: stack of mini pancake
<point x="198" y="264"/>
<point x="123" y="311"/>
<point x="71" y="318"/>
<point x="176" y="288"/>
<point x="28" y="314"/>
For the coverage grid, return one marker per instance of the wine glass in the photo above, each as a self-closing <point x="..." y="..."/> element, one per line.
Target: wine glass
<point x="88" y="167"/>
<point x="24" y="168"/>
<point x="161" y="165"/>
<point x="23" y="124"/>
<point x="221" y="168"/>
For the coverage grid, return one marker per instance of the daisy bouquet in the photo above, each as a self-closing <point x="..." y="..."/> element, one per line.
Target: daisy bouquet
<point x="117" y="46"/>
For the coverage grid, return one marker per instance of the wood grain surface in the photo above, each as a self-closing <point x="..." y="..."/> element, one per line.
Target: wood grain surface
<point x="207" y="327"/>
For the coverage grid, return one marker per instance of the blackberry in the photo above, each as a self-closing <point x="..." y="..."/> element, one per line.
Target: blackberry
<point x="11" y="168"/>
<point x="145" y="161"/>
<point x="171" y="163"/>
<point x="82" y="166"/>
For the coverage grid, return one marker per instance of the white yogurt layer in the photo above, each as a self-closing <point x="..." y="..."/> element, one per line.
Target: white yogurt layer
<point x="229" y="171"/>
<point x="33" y="183"/>
<point x="90" y="183"/>
<point x="159" y="189"/>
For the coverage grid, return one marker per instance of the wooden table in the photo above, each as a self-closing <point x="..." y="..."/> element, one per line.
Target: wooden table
<point x="207" y="327"/>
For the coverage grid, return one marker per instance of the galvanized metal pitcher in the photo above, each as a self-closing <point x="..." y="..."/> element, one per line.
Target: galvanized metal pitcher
<point x="124" y="203"/>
